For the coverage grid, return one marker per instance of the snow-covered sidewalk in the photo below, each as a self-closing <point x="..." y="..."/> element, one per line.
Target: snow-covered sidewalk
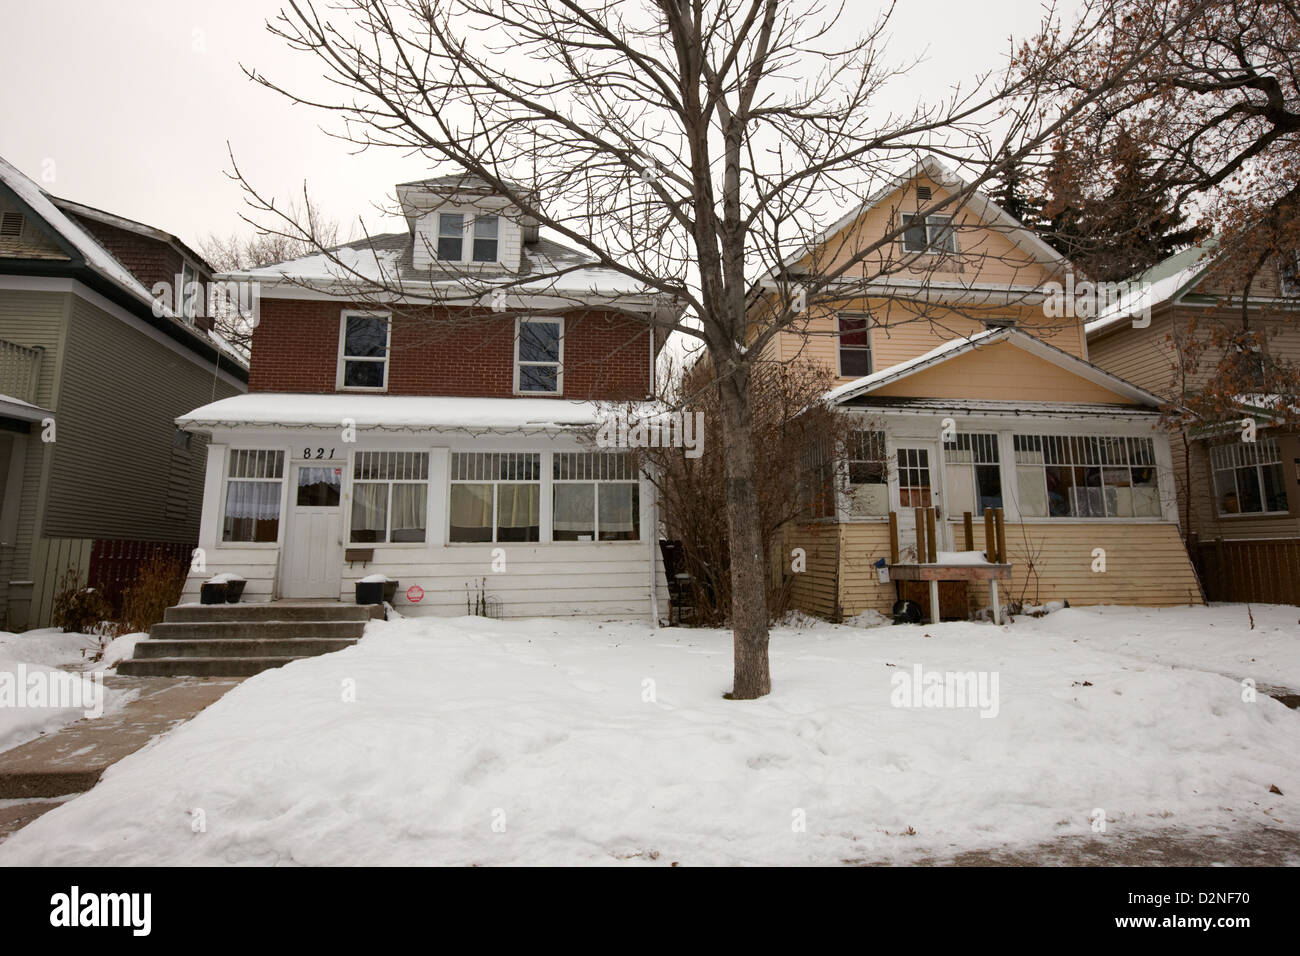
<point x="478" y="741"/>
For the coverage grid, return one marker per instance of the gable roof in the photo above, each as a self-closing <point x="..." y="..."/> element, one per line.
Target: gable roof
<point x="85" y="252"/>
<point x="1166" y="281"/>
<point x="82" y="211"/>
<point x="962" y="346"/>
<point x="985" y="208"/>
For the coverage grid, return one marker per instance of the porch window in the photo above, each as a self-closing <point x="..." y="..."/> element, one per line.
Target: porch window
<point x="868" y="474"/>
<point x="1087" y="476"/>
<point x="496" y="496"/>
<point x="451" y="237"/>
<point x="914" y="481"/>
<point x="390" y="496"/>
<point x="933" y="234"/>
<point x="363" y="351"/>
<point x="539" y="351"/>
<point x="974" y="477"/>
<point x="253" y="481"/>
<point x="1248" y="478"/>
<point x="596" y="497"/>
<point x="485" y="238"/>
<point x="854" y="345"/>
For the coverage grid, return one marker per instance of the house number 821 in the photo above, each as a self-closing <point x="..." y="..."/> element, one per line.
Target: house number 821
<point x="318" y="453"/>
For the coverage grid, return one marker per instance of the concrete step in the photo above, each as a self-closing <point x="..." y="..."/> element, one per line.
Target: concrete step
<point x="234" y="647"/>
<point x="276" y="611"/>
<point x="255" y="630"/>
<point x="201" y="666"/>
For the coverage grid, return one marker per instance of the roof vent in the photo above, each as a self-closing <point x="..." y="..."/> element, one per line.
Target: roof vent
<point x="11" y="224"/>
<point x="923" y="193"/>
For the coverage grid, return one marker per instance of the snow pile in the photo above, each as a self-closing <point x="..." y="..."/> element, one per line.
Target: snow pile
<point x="481" y="741"/>
<point x="43" y="658"/>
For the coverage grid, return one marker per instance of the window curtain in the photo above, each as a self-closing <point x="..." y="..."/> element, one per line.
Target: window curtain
<point x="409" y="510"/>
<point x="575" y="512"/>
<point x="369" y="511"/>
<point x="471" y="512"/>
<point x="518" y="506"/>
<point x="619" y="517"/>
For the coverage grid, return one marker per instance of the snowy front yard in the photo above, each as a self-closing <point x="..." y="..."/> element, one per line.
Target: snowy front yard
<point x="478" y="741"/>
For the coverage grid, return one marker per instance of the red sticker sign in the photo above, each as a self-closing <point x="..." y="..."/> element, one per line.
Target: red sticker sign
<point x="415" y="594"/>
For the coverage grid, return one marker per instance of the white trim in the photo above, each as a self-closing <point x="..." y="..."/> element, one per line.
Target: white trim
<point x="76" y="287"/>
<point x="520" y="320"/>
<point x="343" y="359"/>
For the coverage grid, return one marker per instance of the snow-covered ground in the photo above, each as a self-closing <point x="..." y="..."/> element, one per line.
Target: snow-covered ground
<point x="27" y="660"/>
<point x="479" y="741"/>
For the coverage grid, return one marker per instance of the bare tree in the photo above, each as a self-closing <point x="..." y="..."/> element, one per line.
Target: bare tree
<point x="700" y="149"/>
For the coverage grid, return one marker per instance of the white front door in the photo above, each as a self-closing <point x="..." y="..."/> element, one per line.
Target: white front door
<point x="312" y="566"/>
<point x="918" y="485"/>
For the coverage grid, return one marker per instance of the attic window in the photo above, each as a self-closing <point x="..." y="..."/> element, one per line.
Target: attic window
<point x="931" y="234"/>
<point x="485" y="238"/>
<point x="923" y="193"/>
<point x="12" y="224"/>
<point x="451" y="236"/>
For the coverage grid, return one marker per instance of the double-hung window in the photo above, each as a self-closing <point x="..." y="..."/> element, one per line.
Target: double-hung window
<point x="868" y="474"/>
<point x="254" y="478"/>
<point x="1248" y="478"/>
<point x="495" y="496"/>
<point x="596" y="497"/>
<point x="539" y="355"/>
<point x="451" y="237"/>
<point x="928" y="234"/>
<point x="363" y="351"/>
<point x="1086" y="476"/>
<point x="972" y="472"/>
<point x="390" y="496"/>
<point x="485" y="238"/>
<point x="854" y="345"/>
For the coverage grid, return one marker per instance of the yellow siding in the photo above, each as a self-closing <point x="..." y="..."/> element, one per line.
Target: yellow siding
<point x="864" y="543"/>
<point x="1000" y="371"/>
<point x="814" y="591"/>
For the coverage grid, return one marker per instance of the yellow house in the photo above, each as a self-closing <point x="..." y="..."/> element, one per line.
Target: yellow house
<point x="972" y="390"/>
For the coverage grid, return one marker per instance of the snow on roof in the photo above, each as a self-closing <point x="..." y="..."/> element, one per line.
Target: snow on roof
<point x="386" y="260"/>
<point x="1164" y="281"/>
<point x="984" y="207"/>
<point x="96" y="256"/>
<point x="1023" y="340"/>
<point x="397" y="412"/>
<point x="868" y="382"/>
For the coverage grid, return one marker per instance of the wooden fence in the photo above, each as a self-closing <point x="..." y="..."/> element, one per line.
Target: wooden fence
<point x="105" y="563"/>
<point x="1266" y="572"/>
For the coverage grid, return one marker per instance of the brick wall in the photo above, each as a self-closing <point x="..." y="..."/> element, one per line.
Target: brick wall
<point x="450" y="352"/>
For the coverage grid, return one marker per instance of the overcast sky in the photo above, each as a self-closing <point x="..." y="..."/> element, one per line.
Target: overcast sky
<point x="128" y="105"/>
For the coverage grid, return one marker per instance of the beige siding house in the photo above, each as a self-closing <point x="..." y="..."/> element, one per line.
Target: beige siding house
<point x="92" y="374"/>
<point x="971" y="392"/>
<point x="1239" y="500"/>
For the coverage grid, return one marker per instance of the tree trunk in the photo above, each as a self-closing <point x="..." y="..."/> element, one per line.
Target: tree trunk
<point x="752" y="676"/>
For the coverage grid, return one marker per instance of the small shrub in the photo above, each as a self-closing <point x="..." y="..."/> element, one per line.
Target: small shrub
<point x="157" y="586"/>
<point x="79" y="609"/>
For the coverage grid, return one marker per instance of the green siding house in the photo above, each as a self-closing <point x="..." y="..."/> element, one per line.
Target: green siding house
<point x="94" y="370"/>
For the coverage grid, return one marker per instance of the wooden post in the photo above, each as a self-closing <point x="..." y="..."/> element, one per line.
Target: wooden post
<point x="1002" y="535"/>
<point x="990" y="542"/>
<point x="920" y="536"/>
<point x="969" y="529"/>
<point x="994" y="600"/>
<point x="934" y="602"/>
<point x="931" y="539"/>
<point x="893" y="537"/>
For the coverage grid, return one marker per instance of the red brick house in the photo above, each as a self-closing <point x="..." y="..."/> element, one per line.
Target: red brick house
<point x="433" y="430"/>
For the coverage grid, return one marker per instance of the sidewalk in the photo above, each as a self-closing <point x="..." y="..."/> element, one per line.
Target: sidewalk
<point x="35" y="774"/>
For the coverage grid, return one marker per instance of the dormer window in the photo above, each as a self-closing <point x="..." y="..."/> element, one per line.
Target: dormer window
<point x="451" y="236"/>
<point x="485" y="238"/>
<point x="933" y="234"/>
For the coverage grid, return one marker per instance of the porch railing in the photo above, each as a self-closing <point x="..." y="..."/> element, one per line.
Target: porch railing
<point x="20" y="370"/>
